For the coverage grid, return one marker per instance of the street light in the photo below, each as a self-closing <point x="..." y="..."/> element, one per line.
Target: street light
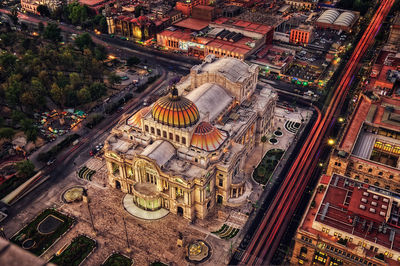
<point x="341" y="119"/>
<point x="331" y="142"/>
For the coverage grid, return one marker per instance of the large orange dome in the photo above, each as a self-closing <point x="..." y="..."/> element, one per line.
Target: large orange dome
<point x="207" y="137"/>
<point x="175" y="111"/>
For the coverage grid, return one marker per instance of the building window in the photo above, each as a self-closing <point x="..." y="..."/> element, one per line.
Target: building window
<point x="176" y="138"/>
<point x="164" y="134"/>
<point x="369" y="170"/>
<point x="360" y="167"/>
<point x="152" y="130"/>
<point x="171" y="136"/>
<point x="380" y="173"/>
<point x="391" y="177"/>
<point x="146" y="128"/>
<point x="183" y="140"/>
<point x="158" y="132"/>
<point x="220" y="182"/>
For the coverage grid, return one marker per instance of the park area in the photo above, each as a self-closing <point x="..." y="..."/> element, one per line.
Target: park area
<point x="43" y="231"/>
<point x="117" y="259"/>
<point x="76" y="252"/>
<point x="267" y="165"/>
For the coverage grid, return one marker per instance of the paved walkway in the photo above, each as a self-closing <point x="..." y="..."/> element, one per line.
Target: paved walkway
<point x="140" y="213"/>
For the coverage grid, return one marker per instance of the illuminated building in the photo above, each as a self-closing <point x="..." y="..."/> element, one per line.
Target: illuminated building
<point x="32" y="5"/>
<point x="337" y="20"/>
<point x="303" y="34"/>
<point x="302" y="4"/>
<point x="349" y="222"/>
<point x="185" y="152"/>
<point x="369" y="150"/>
<point x="223" y="37"/>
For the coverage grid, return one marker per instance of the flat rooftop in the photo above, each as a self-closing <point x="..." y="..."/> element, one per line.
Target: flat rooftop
<point x="358" y="209"/>
<point x="372" y="110"/>
<point x="192" y="23"/>
<point x="246" y="25"/>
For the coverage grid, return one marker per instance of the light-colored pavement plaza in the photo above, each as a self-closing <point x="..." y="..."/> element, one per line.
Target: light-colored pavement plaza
<point x="116" y="230"/>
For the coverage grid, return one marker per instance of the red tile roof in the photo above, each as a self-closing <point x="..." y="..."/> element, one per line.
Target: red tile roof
<point x="359" y="115"/>
<point x="339" y="207"/>
<point x="192" y="23"/>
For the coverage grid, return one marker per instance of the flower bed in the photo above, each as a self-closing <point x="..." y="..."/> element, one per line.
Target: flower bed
<point x="76" y="252"/>
<point x="42" y="241"/>
<point x="117" y="259"/>
<point x="267" y="166"/>
<point x="226" y="232"/>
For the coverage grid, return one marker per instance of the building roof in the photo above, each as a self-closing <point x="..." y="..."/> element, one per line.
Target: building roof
<point x="341" y="208"/>
<point x="175" y="111"/>
<point x="345" y="19"/>
<point x="161" y="151"/>
<point x="192" y="23"/>
<point x="232" y="68"/>
<point x="243" y="24"/>
<point x="207" y="137"/>
<point x="329" y="16"/>
<point x="136" y="119"/>
<point x="211" y="99"/>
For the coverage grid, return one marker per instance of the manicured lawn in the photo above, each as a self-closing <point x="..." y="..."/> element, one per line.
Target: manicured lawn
<point x="266" y="167"/>
<point x="76" y="252"/>
<point x="117" y="260"/>
<point x="43" y="241"/>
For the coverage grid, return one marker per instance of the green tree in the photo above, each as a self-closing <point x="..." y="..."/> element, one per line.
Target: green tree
<point x="75" y="80"/>
<point x="138" y="11"/>
<point x="133" y="60"/>
<point x="14" y="15"/>
<point x="58" y="94"/>
<point x="43" y="10"/>
<point x="7" y="133"/>
<point x="14" y="90"/>
<point x="84" y="41"/>
<point x="25" y="168"/>
<point x="52" y="32"/>
<point x="83" y="95"/>
<point x="77" y="13"/>
<point x="113" y="79"/>
<point x="263" y="140"/>
<point x="29" y="128"/>
<point x="261" y="171"/>
<point x="97" y="90"/>
<point x="100" y="52"/>
<point x="41" y="27"/>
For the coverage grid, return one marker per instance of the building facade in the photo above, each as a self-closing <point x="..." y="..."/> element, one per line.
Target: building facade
<point x="370" y="148"/>
<point x="302" y="4"/>
<point x="302" y="35"/>
<point x="186" y="151"/>
<point x="349" y="223"/>
<point x="32" y="5"/>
